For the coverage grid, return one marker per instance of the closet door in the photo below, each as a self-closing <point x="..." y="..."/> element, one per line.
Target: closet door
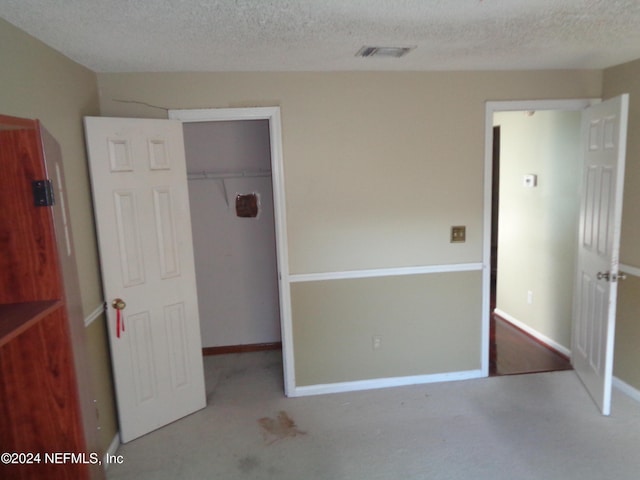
<point x="141" y="206"/>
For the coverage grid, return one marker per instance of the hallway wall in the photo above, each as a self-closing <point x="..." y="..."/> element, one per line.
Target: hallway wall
<point x="538" y="225"/>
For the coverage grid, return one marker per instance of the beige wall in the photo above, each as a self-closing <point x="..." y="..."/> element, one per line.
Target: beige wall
<point x="372" y="160"/>
<point x="617" y="80"/>
<point x="627" y="345"/>
<point x="378" y="166"/>
<point x="427" y="324"/>
<point x="38" y="82"/>
<point x="537" y="226"/>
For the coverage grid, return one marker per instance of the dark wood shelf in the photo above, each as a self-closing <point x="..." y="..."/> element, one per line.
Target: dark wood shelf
<point x="15" y="318"/>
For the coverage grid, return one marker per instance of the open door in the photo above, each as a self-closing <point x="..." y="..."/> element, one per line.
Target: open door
<point x="604" y="137"/>
<point x="138" y="175"/>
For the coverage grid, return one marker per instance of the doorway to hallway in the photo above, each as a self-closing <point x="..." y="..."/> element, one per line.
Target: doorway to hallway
<point x="534" y="213"/>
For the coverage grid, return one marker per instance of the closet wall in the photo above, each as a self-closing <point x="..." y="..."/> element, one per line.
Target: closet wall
<point x="235" y="256"/>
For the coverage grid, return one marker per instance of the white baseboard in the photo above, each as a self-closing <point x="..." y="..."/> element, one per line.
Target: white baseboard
<point x="383" y="383"/>
<point x="534" y="333"/>
<point x="627" y="389"/>
<point x="113" y="448"/>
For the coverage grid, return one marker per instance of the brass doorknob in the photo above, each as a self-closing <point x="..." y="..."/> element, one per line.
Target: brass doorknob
<point x="118" y="304"/>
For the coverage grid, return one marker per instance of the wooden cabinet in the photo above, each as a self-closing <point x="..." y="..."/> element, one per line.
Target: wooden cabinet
<point x="45" y="392"/>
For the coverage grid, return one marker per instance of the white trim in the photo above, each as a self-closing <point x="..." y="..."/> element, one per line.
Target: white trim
<point x="222" y="114"/>
<point x="635" y="271"/>
<point x="524" y="105"/>
<point x="94" y="315"/>
<point x="384" y="383"/>
<point x="384" y="272"/>
<point x="492" y="107"/>
<point x="534" y="333"/>
<point x="277" y="178"/>
<point x="627" y="389"/>
<point x="112" y="450"/>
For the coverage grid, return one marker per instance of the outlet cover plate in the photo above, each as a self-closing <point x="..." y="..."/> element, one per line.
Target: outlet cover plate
<point x="458" y="234"/>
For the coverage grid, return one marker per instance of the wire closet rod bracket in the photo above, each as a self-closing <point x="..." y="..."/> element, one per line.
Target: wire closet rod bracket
<point x="222" y="176"/>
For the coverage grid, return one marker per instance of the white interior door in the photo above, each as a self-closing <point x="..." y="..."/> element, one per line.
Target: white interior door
<point x="141" y="205"/>
<point x="604" y="144"/>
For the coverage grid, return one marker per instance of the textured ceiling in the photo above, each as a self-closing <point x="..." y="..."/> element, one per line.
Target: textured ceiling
<point x="312" y="35"/>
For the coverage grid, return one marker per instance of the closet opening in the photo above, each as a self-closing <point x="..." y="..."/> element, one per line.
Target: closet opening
<point x="234" y="240"/>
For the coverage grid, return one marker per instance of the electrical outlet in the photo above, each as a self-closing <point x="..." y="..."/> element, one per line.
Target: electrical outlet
<point x="529" y="297"/>
<point x="376" y="342"/>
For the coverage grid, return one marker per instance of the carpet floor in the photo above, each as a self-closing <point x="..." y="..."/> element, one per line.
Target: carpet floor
<point x="539" y="426"/>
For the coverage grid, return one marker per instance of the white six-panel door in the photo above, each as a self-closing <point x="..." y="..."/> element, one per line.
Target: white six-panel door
<point x="141" y="205"/>
<point x="604" y="147"/>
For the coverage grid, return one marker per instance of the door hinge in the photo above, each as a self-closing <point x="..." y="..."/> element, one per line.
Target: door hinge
<point x="43" y="193"/>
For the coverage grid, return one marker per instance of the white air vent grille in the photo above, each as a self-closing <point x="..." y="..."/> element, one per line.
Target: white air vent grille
<point x="393" y="52"/>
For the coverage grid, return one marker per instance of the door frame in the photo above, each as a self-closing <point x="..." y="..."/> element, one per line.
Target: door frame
<point x="492" y="107"/>
<point x="272" y="114"/>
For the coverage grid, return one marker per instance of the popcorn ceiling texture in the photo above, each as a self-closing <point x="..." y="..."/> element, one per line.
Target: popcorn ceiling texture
<point x="312" y="35"/>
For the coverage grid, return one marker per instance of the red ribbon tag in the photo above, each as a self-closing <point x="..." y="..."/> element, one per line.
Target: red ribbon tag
<point x="119" y="323"/>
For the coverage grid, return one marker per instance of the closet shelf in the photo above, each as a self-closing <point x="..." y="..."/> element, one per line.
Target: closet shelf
<point x="225" y="175"/>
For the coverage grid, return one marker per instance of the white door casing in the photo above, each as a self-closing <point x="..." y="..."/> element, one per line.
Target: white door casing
<point x="141" y="205"/>
<point x="593" y="359"/>
<point x="490" y="109"/>
<point x="604" y="147"/>
<point x="272" y="114"/>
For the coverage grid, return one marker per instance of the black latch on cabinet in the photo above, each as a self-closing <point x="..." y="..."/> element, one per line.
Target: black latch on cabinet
<point x="42" y="193"/>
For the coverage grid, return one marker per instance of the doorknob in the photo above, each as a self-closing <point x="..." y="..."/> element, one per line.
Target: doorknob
<point x="613" y="278"/>
<point x="118" y="304"/>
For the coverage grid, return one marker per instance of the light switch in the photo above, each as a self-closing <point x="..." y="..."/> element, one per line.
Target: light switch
<point x="458" y="234"/>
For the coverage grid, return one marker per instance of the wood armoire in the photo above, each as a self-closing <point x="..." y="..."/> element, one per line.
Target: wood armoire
<point x="46" y="405"/>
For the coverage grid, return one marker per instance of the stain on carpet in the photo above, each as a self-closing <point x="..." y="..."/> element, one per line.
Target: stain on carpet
<point x="278" y="428"/>
<point x="248" y="464"/>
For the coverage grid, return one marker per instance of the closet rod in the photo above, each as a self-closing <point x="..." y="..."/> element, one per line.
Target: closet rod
<point x="223" y="175"/>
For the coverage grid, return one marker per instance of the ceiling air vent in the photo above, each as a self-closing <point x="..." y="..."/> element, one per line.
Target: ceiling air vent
<point x="393" y="52"/>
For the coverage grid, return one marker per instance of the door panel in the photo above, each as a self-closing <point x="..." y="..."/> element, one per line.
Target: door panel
<point x="141" y="205"/>
<point x="604" y="138"/>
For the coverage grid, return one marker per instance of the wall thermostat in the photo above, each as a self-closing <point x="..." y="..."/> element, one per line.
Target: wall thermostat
<point x="530" y="180"/>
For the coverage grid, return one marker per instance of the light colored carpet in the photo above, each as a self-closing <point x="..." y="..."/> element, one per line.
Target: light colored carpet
<point x="540" y="426"/>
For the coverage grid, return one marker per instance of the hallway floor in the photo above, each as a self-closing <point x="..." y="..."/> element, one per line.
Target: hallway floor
<point x="512" y="352"/>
